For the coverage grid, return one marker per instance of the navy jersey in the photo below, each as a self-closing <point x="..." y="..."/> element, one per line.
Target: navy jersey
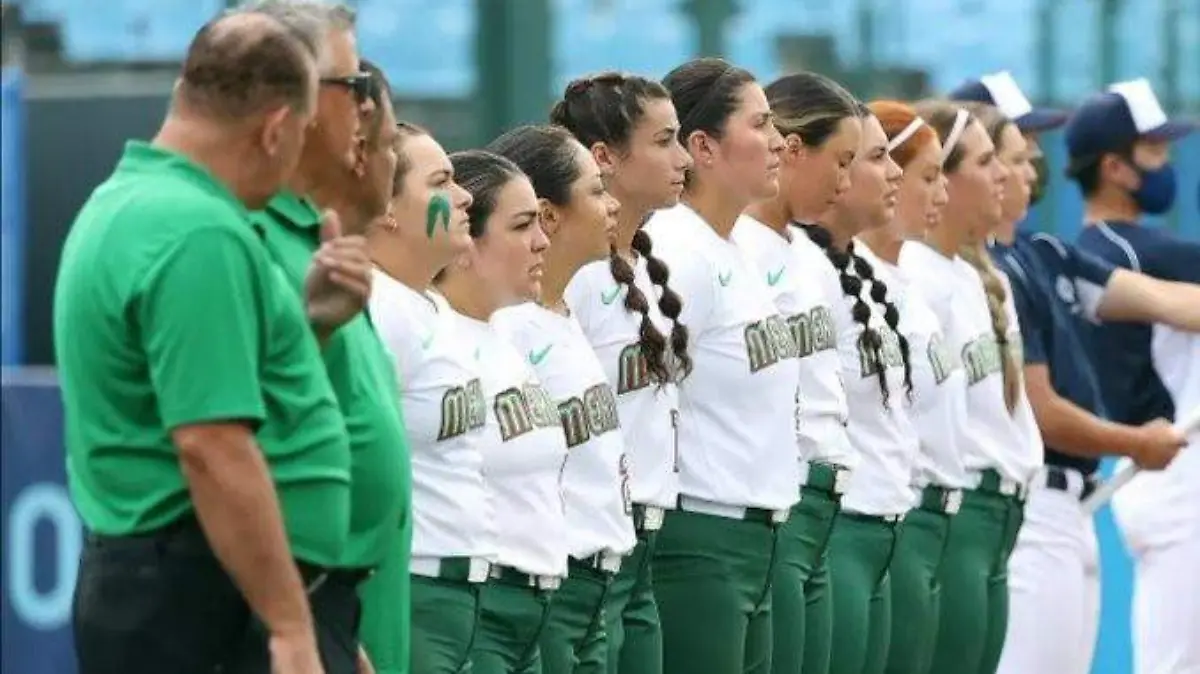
<point x="1056" y="289"/>
<point x="1133" y="392"/>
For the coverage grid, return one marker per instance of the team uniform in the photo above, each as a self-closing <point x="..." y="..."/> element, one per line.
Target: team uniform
<point x="1148" y="372"/>
<point x="997" y="463"/>
<point x="938" y="414"/>
<point x="878" y="494"/>
<point x="364" y="381"/>
<point x="523" y="455"/>
<point x="648" y="411"/>
<point x="1054" y="584"/>
<point x="595" y="483"/>
<point x="445" y="411"/>
<point x="738" y="467"/>
<point x="169" y="312"/>
<point x="801" y="281"/>
<point x="1159" y="517"/>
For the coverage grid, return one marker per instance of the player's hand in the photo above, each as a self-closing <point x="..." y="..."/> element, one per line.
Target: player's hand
<point x="339" y="279"/>
<point x="1159" y="444"/>
<point x="364" y="662"/>
<point x="295" y="653"/>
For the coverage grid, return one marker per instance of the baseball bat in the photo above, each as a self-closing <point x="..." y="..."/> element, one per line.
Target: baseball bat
<point x="1187" y="425"/>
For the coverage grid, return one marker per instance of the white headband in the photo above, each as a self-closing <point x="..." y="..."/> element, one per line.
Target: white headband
<point x="908" y="131"/>
<point x="956" y="132"/>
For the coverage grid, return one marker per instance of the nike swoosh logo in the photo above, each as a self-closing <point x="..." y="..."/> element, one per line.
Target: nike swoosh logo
<point x="774" y="276"/>
<point x="725" y="278"/>
<point x="610" y="296"/>
<point x="536" y="357"/>
<point x="426" y="341"/>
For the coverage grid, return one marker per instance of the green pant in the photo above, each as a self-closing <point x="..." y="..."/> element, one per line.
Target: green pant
<point x="974" y="588"/>
<point x="801" y="604"/>
<point x="511" y="620"/>
<point x="916" y="591"/>
<point x="998" y="584"/>
<point x="445" y="619"/>
<point x="860" y="552"/>
<point x="712" y="581"/>
<point x="634" y="634"/>
<point x="574" y="641"/>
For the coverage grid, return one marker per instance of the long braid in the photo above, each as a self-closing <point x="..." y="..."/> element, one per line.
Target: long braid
<point x="997" y="296"/>
<point x="870" y="344"/>
<point x="669" y="302"/>
<point x="651" y="342"/>
<point x="891" y="315"/>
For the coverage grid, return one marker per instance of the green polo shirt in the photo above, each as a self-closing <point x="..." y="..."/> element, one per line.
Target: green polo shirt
<point x="169" y="312"/>
<point x="364" y="380"/>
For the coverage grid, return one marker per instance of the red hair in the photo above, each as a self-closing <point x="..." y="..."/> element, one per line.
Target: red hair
<point x="895" y="116"/>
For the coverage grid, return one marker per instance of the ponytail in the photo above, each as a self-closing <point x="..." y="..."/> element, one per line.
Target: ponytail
<point x="869" y="340"/>
<point x="978" y="258"/>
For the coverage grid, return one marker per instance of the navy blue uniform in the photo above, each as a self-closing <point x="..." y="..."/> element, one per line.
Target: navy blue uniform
<point x="1133" y="392"/>
<point x="1056" y="289"/>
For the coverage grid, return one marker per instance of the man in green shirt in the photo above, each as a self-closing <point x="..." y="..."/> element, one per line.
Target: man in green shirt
<point x="178" y="342"/>
<point x="359" y="367"/>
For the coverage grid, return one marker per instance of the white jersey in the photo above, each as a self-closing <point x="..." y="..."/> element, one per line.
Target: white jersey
<point x="882" y="435"/>
<point x="939" y="402"/>
<point x="523" y="456"/>
<point x="801" y="283"/>
<point x="647" y="408"/>
<point x="993" y="439"/>
<point x="737" y="407"/>
<point x="595" y="477"/>
<point x="442" y="398"/>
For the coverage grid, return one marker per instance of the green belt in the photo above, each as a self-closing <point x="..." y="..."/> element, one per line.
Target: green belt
<point x="823" y="477"/>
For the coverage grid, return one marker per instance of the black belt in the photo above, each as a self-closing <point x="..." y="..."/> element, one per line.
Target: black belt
<point x="943" y="500"/>
<point x="1058" y="479"/>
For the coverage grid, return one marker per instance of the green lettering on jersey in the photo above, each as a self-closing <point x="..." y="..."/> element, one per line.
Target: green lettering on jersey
<point x="462" y="410"/>
<point x="633" y="374"/>
<point x="889" y="352"/>
<point x="767" y="342"/>
<point x="939" y="359"/>
<point x="590" y="416"/>
<point x="812" y="331"/>
<point x="981" y="359"/>
<point x="520" y="410"/>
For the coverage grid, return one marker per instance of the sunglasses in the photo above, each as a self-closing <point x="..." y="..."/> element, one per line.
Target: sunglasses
<point x="362" y="85"/>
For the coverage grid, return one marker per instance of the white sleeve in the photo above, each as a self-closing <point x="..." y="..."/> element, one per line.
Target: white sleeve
<point x="399" y="330"/>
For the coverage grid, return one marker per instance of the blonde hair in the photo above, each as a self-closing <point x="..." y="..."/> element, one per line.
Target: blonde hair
<point x="977" y="256"/>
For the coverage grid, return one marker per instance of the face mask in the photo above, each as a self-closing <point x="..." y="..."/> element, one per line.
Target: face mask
<point x="1038" y="188"/>
<point x="1157" y="193"/>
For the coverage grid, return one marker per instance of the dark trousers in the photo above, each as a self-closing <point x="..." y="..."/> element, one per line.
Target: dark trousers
<point x="161" y="602"/>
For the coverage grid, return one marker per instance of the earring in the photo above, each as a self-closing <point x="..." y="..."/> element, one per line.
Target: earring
<point x="389" y="222"/>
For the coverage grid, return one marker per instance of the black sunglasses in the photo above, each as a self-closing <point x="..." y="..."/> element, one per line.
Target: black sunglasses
<point x="362" y="85"/>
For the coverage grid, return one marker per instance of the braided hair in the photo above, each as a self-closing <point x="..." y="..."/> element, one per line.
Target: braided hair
<point x="870" y="342"/>
<point x="606" y="108"/>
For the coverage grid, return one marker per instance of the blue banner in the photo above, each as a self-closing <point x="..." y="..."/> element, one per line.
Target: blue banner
<point x="42" y="533"/>
<point x="12" y="217"/>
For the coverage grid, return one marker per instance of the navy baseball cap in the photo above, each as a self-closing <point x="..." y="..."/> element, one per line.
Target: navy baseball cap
<point x="1001" y="90"/>
<point x="1114" y="120"/>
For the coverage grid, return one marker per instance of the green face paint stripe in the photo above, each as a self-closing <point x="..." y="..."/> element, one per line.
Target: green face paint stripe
<point x="438" y="209"/>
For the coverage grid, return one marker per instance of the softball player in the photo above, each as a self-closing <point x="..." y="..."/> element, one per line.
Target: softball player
<point x="578" y="216"/>
<point x="877" y="369"/>
<point x="974" y="591"/>
<point x="1159" y="516"/>
<point x="1053" y="570"/>
<point x="523" y="445"/>
<point x="940" y="384"/>
<point x="630" y="126"/>
<point x="442" y="401"/>
<point x="822" y="129"/>
<point x="737" y="461"/>
<point x="1118" y="143"/>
